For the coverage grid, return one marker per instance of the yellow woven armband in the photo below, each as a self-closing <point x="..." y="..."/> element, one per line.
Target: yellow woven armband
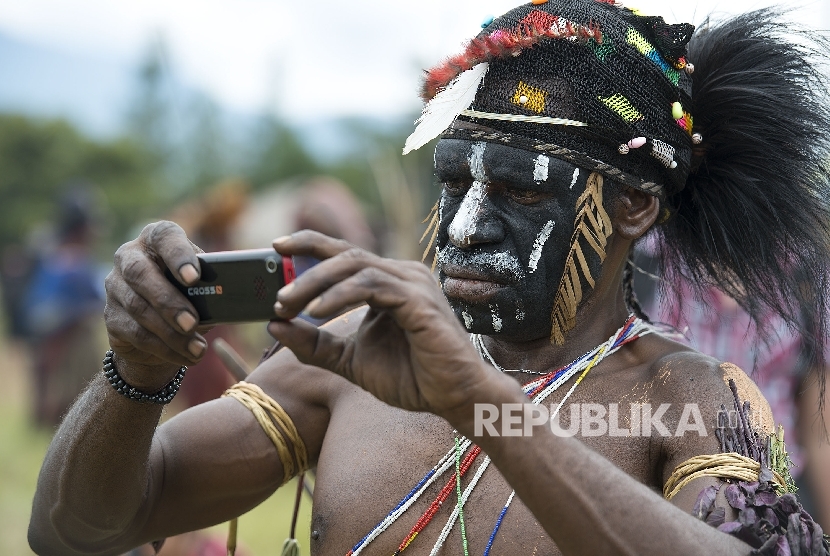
<point x="277" y="425"/>
<point x="723" y="466"/>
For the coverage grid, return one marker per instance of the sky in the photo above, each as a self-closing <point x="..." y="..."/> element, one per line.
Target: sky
<point x="304" y="60"/>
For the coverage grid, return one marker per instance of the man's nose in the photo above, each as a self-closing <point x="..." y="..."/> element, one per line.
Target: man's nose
<point x="475" y="222"/>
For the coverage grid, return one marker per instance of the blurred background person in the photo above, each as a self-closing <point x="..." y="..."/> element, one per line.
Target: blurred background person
<point x="327" y="205"/>
<point x="209" y="220"/>
<point x="62" y="309"/>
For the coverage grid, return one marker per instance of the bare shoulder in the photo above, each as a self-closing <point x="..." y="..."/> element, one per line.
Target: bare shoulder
<point x="699" y="390"/>
<point x="693" y="377"/>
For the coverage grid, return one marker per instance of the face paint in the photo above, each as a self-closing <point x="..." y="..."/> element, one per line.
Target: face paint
<point x="538" y="245"/>
<point x="499" y="264"/>
<point x="576" y="177"/>
<point x="477" y="161"/>
<point x="464" y="223"/>
<point x="540" y="169"/>
<point x="494" y="311"/>
<point x="509" y="262"/>
<point x="468" y="320"/>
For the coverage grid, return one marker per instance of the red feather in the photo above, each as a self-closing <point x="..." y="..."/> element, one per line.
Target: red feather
<point x="536" y="26"/>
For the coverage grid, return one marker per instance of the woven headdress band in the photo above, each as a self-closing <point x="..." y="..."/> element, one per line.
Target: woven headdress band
<point x="588" y="81"/>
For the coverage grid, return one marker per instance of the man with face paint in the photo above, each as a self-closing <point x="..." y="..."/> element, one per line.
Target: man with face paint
<point x="505" y="220"/>
<point x="568" y="130"/>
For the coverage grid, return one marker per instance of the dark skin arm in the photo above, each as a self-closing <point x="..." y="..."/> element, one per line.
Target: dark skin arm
<point x="110" y="481"/>
<point x="411" y="352"/>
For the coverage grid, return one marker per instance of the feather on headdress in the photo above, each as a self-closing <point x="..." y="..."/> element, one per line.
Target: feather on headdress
<point x="444" y="108"/>
<point x="753" y="219"/>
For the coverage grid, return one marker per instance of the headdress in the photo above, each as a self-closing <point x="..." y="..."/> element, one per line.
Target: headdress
<point x="586" y="81"/>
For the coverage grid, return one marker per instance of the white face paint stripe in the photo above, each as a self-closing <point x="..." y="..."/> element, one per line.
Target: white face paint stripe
<point x="477" y="161"/>
<point x="539" y="244"/>
<point x="502" y="262"/>
<point x="576" y="177"/>
<point x="463" y="224"/>
<point x="540" y="168"/>
<point x="496" y="318"/>
<point x="468" y="320"/>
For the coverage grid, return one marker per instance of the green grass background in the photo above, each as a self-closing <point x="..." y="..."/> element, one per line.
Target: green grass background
<point x="22" y="446"/>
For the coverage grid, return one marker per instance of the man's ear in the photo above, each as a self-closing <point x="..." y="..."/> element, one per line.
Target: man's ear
<point x="634" y="213"/>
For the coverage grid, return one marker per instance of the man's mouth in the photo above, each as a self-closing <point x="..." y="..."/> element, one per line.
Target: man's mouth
<point x="470" y="284"/>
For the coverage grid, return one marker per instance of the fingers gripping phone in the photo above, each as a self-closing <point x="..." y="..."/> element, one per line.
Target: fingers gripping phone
<point x="237" y="286"/>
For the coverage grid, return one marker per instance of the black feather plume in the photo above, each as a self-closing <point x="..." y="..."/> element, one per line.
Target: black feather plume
<point x="753" y="219"/>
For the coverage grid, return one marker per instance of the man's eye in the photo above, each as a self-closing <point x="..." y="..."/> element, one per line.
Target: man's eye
<point x="456" y="188"/>
<point x="524" y="195"/>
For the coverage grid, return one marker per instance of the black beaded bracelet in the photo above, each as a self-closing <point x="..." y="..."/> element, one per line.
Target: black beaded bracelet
<point x="163" y="396"/>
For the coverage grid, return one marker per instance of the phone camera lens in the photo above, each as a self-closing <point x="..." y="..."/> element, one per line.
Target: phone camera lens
<point x="271" y="265"/>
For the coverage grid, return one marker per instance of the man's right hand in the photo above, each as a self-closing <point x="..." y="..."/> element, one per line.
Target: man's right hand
<point x="152" y="327"/>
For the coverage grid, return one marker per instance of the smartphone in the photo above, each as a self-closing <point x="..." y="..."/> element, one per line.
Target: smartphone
<point x="237" y="286"/>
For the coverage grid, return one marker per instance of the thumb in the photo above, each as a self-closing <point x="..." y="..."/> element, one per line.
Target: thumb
<point x="314" y="346"/>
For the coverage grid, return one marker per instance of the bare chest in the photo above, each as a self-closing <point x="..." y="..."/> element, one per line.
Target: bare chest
<point x="374" y="456"/>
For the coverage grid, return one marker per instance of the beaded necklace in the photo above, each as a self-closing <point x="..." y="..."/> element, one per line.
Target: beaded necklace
<point x="537" y="390"/>
<point x="484" y="353"/>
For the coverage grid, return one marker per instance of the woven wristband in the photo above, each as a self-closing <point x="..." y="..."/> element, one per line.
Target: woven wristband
<point x="163" y="396"/>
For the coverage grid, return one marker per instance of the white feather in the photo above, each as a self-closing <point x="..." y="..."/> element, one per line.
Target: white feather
<point x="445" y="107"/>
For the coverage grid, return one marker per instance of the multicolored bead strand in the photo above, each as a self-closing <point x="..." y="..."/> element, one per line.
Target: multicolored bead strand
<point x="433" y="508"/>
<point x="434" y="474"/>
<point x="445" y="532"/>
<point x="630" y="331"/>
<point x="546" y="385"/>
<point x="460" y="501"/>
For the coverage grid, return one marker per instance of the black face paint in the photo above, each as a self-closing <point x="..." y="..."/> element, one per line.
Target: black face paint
<point x="506" y="222"/>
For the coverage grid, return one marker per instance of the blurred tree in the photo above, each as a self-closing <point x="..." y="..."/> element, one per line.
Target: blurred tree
<point x="205" y="151"/>
<point x="148" y="118"/>
<point x="278" y="154"/>
<point x="40" y="158"/>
